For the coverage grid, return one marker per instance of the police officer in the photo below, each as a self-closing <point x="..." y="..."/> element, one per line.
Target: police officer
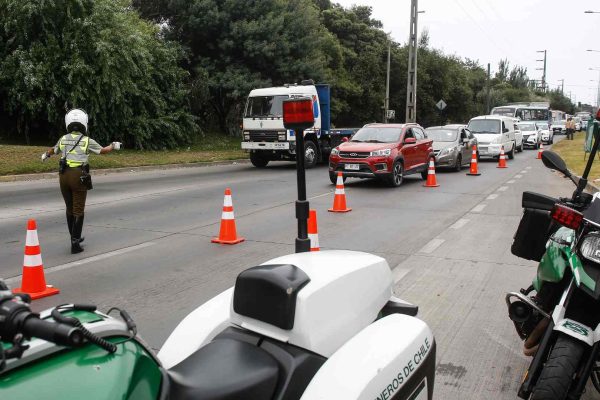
<point x="75" y="148"/>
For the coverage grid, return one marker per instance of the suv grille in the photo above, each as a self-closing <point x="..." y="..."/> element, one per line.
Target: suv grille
<point x="268" y="136"/>
<point x="354" y="154"/>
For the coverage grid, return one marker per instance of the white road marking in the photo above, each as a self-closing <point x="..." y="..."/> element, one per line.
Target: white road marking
<point x="492" y="196"/>
<point x="460" y="223"/>
<point x="88" y="260"/>
<point x="479" y="208"/>
<point x="529" y="167"/>
<point x="518" y="176"/>
<point x="524" y="171"/>
<point x="511" y="181"/>
<point x="399" y="273"/>
<point x="502" y="188"/>
<point x="432" y="245"/>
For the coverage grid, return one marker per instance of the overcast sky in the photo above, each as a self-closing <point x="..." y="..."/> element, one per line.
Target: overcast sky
<point x="489" y="30"/>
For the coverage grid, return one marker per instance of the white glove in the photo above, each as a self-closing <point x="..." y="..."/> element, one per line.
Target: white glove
<point x="117" y="145"/>
<point x="45" y="156"/>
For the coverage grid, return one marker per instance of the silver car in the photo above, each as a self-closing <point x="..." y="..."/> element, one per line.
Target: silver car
<point x="452" y="145"/>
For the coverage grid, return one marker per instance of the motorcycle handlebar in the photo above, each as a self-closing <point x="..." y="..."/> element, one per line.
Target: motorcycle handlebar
<point x="54" y="332"/>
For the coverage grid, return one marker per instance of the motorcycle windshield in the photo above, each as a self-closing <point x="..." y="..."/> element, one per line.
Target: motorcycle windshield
<point x="592" y="213"/>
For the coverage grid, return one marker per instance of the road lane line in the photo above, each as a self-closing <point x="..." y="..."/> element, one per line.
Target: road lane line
<point x="529" y="167"/>
<point x="460" y="223"/>
<point x="399" y="273"/>
<point x="524" y="171"/>
<point x="511" y="181"/>
<point x="479" y="208"/>
<point x="493" y="196"/>
<point x="88" y="260"/>
<point x="518" y="176"/>
<point x="502" y="188"/>
<point x="432" y="245"/>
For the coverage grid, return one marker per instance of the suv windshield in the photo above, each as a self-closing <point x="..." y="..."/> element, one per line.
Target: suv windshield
<point x="442" y="135"/>
<point x="377" y="135"/>
<point x="527" y="127"/>
<point x="265" y="106"/>
<point x="542" y="125"/>
<point x="484" y="126"/>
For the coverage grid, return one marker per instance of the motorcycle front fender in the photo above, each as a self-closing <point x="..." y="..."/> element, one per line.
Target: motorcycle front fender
<point x="555" y="260"/>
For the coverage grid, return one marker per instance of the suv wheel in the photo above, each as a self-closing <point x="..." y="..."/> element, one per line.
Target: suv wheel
<point x="511" y="153"/>
<point x="397" y="175"/>
<point x="333" y="177"/>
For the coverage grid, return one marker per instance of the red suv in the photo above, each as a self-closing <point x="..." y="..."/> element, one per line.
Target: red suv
<point x="384" y="151"/>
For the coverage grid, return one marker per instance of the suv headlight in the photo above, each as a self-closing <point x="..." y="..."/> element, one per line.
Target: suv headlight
<point x="590" y="247"/>
<point x="335" y="151"/>
<point x="384" y="152"/>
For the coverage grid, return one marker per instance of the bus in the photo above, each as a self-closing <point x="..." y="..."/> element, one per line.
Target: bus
<point x="536" y="112"/>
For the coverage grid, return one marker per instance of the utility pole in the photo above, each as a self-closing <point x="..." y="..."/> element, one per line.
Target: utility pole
<point x="386" y="104"/>
<point x="487" y="96"/>
<point x="544" y="69"/>
<point x="562" y="86"/>
<point x="411" y="84"/>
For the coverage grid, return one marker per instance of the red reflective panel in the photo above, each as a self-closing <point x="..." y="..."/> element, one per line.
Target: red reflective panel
<point x="298" y="112"/>
<point x="567" y="216"/>
<point x="598" y="114"/>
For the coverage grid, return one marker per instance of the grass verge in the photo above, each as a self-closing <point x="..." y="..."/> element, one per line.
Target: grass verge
<point x="26" y="159"/>
<point x="572" y="152"/>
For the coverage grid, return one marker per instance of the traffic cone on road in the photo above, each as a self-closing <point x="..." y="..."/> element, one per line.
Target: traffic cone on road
<point x="540" y="151"/>
<point x="227" y="233"/>
<point x="431" y="181"/>
<point x="502" y="159"/>
<point x="33" y="281"/>
<point x="313" y="233"/>
<point x="339" y="200"/>
<point x="473" y="171"/>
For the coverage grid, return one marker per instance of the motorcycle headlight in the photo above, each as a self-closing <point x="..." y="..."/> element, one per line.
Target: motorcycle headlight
<point x="590" y="247"/>
<point x="384" y="152"/>
<point x="335" y="151"/>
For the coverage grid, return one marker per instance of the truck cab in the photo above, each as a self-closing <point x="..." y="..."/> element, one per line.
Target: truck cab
<point x="265" y="137"/>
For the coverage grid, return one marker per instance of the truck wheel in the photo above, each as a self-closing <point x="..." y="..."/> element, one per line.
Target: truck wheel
<point x="311" y="154"/>
<point x="557" y="376"/>
<point x="258" y="160"/>
<point x="511" y="153"/>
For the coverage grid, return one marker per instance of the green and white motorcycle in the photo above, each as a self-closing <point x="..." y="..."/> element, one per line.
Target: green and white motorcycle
<point x="560" y="324"/>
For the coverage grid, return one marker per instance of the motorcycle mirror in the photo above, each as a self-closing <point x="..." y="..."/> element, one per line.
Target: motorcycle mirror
<point x="553" y="161"/>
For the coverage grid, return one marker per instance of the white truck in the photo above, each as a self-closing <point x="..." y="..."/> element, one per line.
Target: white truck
<point x="265" y="137"/>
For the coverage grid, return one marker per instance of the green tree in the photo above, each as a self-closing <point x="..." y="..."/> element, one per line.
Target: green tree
<point x="97" y="55"/>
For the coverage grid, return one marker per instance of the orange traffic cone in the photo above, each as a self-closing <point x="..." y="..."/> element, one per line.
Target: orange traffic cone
<point x="431" y="181"/>
<point x="313" y="233"/>
<point x="473" y="170"/>
<point x="339" y="200"/>
<point x="33" y="281"/>
<point x="540" y="151"/>
<point x="227" y="234"/>
<point x="502" y="159"/>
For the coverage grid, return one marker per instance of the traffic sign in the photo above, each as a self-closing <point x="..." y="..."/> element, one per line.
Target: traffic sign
<point x="441" y="105"/>
<point x="391" y="114"/>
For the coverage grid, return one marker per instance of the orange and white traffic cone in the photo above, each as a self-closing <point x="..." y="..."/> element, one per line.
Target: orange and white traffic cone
<point x="540" y="151"/>
<point x="474" y="171"/>
<point x="431" y="181"/>
<point x="339" y="200"/>
<point x="502" y="159"/>
<point x="227" y="233"/>
<point x="33" y="281"/>
<point x="313" y="231"/>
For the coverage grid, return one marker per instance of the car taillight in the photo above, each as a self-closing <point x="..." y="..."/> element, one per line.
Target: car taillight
<point x="567" y="216"/>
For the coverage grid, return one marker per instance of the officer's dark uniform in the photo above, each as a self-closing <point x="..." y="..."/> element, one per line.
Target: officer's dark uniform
<point x="75" y="147"/>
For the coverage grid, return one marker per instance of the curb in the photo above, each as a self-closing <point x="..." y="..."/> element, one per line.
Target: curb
<point x="106" y="171"/>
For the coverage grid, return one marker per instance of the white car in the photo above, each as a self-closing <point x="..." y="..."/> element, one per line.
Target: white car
<point x="546" y="133"/>
<point x="494" y="132"/>
<point x="532" y="136"/>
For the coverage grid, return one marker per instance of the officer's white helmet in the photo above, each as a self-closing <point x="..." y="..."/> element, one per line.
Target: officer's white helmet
<point x="76" y="120"/>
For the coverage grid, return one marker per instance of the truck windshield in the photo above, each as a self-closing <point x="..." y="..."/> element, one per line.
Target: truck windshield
<point x="505" y="111"/>
<point x="377" y="135"/>
<point x="484" y="126"/>
<point x="265" y="106"/>
<point x="442" y="135"/>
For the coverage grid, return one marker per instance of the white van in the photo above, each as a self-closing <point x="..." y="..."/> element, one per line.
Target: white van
<point x="492" y="133"/>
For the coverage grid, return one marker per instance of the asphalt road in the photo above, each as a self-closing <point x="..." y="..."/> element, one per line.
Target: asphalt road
<point x="148" y="249"/>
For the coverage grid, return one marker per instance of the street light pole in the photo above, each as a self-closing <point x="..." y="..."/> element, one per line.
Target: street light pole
<point x="598" y="94"/>
<point x="386" y="104"/>
<point x="411" y="83"/>
<point x="562" y="86"/>
<point x="544" y="74"/>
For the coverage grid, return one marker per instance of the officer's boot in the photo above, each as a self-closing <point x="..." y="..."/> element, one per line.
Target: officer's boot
<point x="70" y="219"/>
<point x="76" y="235"/>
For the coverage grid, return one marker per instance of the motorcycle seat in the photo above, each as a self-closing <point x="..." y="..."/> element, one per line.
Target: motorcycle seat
<point x="224" y="369"/>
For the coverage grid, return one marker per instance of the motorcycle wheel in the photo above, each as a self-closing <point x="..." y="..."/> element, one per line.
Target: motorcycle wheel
<point x="557" y="376"/>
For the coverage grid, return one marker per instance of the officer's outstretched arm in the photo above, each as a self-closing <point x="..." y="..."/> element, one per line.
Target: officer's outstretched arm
<point x="111" y="147"/>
